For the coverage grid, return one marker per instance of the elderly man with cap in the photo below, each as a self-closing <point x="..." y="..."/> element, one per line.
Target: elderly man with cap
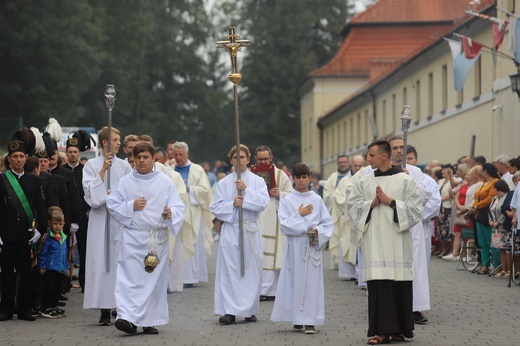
<point x="22" y="211"/>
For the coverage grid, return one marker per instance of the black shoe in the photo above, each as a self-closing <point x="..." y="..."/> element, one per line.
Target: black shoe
<point x="310" y="330"/>
<point x="187" y="285"/>
<point x="150" y="330"/>
<point x="63" y="297"/>
<point x="6" y="317"/>
<point x="297" y="328"/>
<point x="26" y="317"/>
<point x="227" y="319"/>
<point x="266" y="298"/>
<point x="114" y="313"/>
<point x="104" y="319"/>
<point x="60" y="303"/>
<point x="125" y="326"/>
<point x="251" y="319"/>
<point x="35" y="312"/>
<point x="419" y="318"/>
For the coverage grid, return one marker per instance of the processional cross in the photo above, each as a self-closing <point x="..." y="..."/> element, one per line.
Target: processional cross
<point x="232" y="45"/>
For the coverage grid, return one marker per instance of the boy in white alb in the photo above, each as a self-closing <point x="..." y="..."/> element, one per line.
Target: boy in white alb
<point x="304" y="219"/>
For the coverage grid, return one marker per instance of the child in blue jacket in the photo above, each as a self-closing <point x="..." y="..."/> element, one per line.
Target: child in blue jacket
<point x="53" y="264"/>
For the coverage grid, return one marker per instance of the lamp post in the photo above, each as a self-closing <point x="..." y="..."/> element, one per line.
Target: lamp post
<point x="110" y="100"/>
<point x="515" y="84"/>
<point x="406" y="119"/>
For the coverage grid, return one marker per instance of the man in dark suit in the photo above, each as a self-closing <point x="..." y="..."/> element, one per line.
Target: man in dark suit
<point x="21" y="206"/>
<point x="73" y="153"/>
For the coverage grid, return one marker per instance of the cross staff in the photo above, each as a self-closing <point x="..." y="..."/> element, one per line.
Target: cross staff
<point x="406" y="119"/>
<point x="232" y="45"/>
<point x="110" y="100"/>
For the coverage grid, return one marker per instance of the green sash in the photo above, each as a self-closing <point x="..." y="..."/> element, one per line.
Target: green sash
<point x="21" y="195"/>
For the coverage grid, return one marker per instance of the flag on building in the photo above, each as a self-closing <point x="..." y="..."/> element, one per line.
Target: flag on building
<point x="462" y="65"/>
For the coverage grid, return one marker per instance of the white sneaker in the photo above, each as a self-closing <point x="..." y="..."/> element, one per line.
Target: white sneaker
<point x="450" y="257"/>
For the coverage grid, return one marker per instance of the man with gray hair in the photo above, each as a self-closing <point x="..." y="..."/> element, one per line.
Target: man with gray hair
<point x="200" y="195"/>
<point x="502" y="165"/>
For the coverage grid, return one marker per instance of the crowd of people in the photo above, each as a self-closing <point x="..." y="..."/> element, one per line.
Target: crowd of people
<point x="143" y="227"/>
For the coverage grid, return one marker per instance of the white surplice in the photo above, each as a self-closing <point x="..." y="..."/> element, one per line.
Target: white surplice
<point x="430" y="211"/>
<point x="99" y="284"/>
<point x="300" y="297"/>
<point x="141" y="296"/>
<point x="200" y="194"/>
<point x="234" y="294"/>
<point x="273" y="240"/>
<point x="340" y="245"/>
<point x="181" y="245"/>
<point x="387" y="245"/>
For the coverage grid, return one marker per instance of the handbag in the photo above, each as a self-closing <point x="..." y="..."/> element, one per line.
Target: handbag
<point x="461" y="221"/>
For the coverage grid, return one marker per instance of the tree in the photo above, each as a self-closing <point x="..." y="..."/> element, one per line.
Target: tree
<point x="288" y="40"/>
<point x="48" y="58"/>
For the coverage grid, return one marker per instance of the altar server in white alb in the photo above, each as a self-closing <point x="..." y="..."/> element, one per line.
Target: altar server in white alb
<point x="237" y="295"/>
<point x="149" y="207"/>
<point x="304" y="219"/>
<point x="421" y="283"/>
<point x="100" y="276"/>
<point x="384" y="206"/>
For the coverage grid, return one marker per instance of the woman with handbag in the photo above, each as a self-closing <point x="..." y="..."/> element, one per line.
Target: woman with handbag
<point x="496" y="220"/>
<point x="480" y="208"/>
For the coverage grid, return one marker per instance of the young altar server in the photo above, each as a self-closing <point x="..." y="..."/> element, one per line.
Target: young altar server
<point x="148" y="205"/>
<point x="304" y="219"/>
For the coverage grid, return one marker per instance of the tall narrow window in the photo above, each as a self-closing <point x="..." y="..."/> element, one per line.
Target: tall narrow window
<point x="339" y="149"/>
<point x="417" y="101"/>
<point x="430" y="95"/>
<point x="405" y="96"/>
<point x="345" y="144"/>
<point x="394" y="113"/>
<point x="460" y="97"/>
<point x="478" y="77"/>
<point x="367" y="127"/>
<point x="351" y="140"/>
<point x="383" y="117"/>
<point x="332" y="147"/>
<point x="358" y="134"/>
<point x="444" y="87"/>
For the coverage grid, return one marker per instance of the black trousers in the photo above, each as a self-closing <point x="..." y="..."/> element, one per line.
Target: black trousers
<point x="390" y="305"/>
<point x="81" y="236"/>
<point x="15" y="256"/>
<point x="52" y="287"/>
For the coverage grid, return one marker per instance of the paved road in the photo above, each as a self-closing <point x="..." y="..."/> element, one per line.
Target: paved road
<point x="468" y="309"/>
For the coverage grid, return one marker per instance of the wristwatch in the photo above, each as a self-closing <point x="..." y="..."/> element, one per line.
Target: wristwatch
<point x="392" y="204"/>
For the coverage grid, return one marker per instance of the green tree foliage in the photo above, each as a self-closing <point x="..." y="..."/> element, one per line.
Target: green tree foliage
<point x="57" y="56"/>
<point x="288" y="40"/>
<point x="49" y="57"/>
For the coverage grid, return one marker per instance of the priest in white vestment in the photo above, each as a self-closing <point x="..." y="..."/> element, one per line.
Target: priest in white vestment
<point x="273" y="240"/>
<point x="100" y="276"/>
<point x="199" y="196"/>
<point x="237" y="295"/>
<point x="300" y="297"/>
<point x="149" y="207"/>
<point x="385" y="206"/>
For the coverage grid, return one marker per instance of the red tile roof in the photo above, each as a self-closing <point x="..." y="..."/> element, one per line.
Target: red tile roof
<point x="392" y="11"/>
<point x="392" y="30"/>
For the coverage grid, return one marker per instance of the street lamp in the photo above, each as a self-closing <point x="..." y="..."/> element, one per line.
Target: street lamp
<point x="515" y="84"/>
<point x="406" y="120"/>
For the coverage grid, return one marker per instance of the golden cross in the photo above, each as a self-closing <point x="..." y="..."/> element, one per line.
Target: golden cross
<point x="232" y="45"/>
